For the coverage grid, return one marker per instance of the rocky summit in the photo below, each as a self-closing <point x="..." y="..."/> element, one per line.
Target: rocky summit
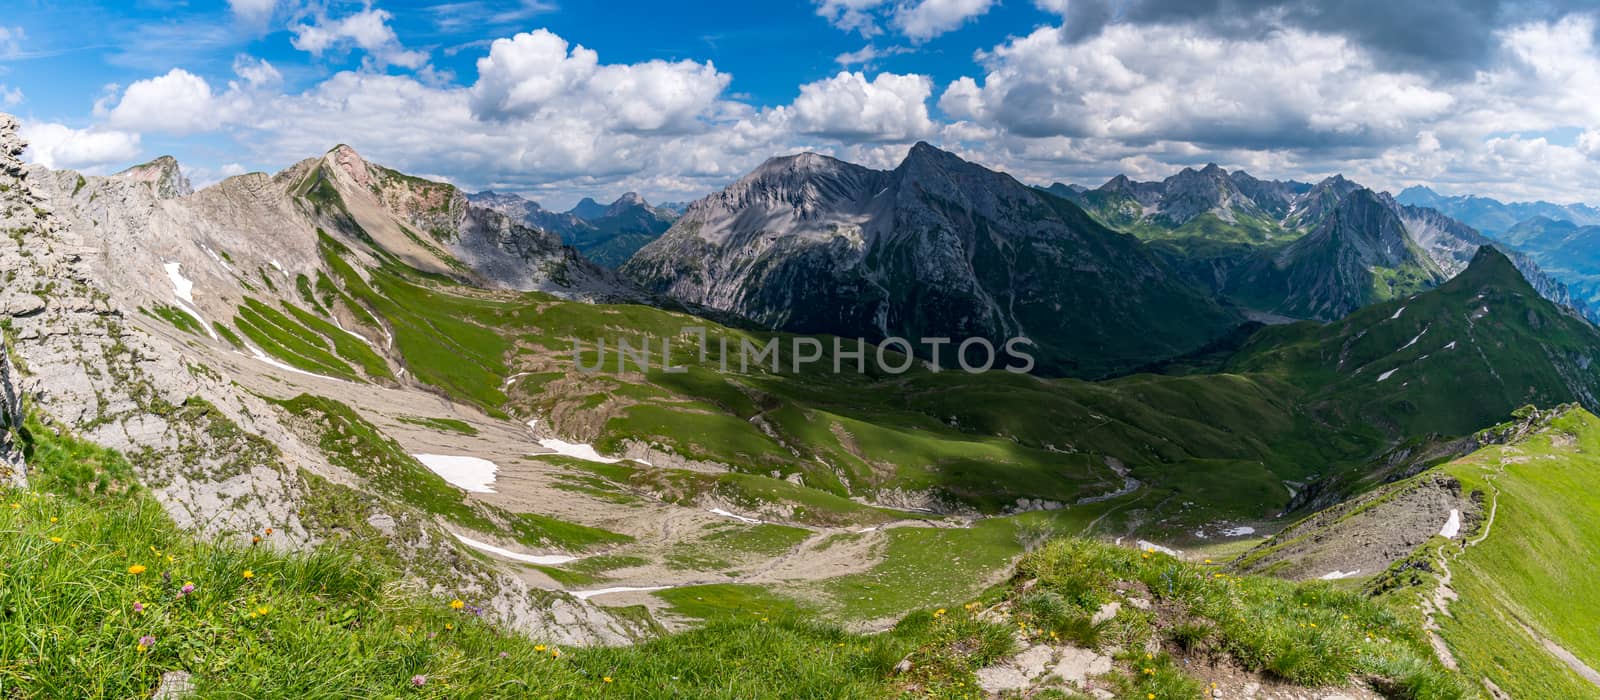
<point x="937" y="247"/>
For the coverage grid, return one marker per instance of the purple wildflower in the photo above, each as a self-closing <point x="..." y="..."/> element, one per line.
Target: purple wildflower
<point x="138" y="607"/>
<point x="186" y="590"/>
<point x="146" y="642"/>
<point x="419" y="680"/>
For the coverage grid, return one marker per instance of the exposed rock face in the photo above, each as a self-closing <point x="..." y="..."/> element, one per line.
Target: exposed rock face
<point x="164" y="174"/>
<point x="937" y="247"/>
<point x="82" y="253"/>
<point x="1452" y="244"/>
<point x="12" y="466"/>
<point x="1329" y="272"/>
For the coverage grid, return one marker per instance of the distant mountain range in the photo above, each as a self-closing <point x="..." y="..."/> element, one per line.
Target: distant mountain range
<point x="606" y="234"/>
<point x="942" y="247"/>
<point x="1295" y="249"/>
<point x="1492" y="216"/>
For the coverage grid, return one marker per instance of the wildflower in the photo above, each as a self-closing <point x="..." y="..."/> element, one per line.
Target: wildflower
<point x="145" y="643"/>
<point x="457" y="604"/>
<point x="136" y="569"/>
<point x="939" y="612"/>
<point x="1149" y="672"/>
<point x="188" y="587"/>
<point x="504" y="655"/>
<point x="53" y="519"/>
<point x="249" y="574"/>
<point x="449" y="626"/>
<point x="539" y="647"/>
<point x="263" y="610"/>
<point x="155" y="551"/>
<point x="255" y="540"/>
<point x="555" y="653"/>
<point x="1208" y="561"/>
<point x="56" y="540"/>
<point x="138" y="607"/>
<point x="419" y="680"/>
<point x="1150" y="696"/>
<point x="269" y="530"/>
<point x="16" y="506"/>
<point x="606" y="679"/>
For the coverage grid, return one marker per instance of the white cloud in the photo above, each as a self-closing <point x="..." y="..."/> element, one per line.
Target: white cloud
<point x="10" y="96"/>
<point x="1589" y="143"/>
<point x="539" y="72"/>
<point x="178" y="102"/>
<point x="1142" y="84"/>
<point x="59" y="146"/>
<point x="852" y="15"/>
<point x="925" y="19"/>
<point x="253" y="12"/>
<point x="889" y="107"/>
<point x="11" y="41"/>
<point x="868" y="55"/>
<point x="367" y="30"/>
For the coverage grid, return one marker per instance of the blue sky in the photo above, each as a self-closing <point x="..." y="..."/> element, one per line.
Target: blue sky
<point x="560" y="100"/>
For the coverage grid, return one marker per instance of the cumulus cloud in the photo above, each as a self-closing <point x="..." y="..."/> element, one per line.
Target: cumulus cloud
<point x="59" y="146"/>
<point x="1142" y="85"/>
<point x="919" y="20"/>
<point x="926" y="19"/>
<point x="538" y="71"/>
<point x="889" y="107"/>
<point x="367" y="30"/>
<point x="852" y="15"/>
<point x="178" y="102"/>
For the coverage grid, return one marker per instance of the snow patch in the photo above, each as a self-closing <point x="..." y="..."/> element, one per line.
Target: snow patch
<point x="1452" y="526"/>
<point x="270" y="360"/>
<point x="1414" y="340"/>
<point x="469" y="473"/>
<point x="1397" y="313"/>
<point x="1335" y="575"/>
<point x="276" y="265"/>
<point x="1385" y="375"/>
<point x="1451" y="346"/>
<point x="577" y="450"/>
<point x="585" y="595"/>
<point x="180" y="284"/>
<point x="518" y="556"/>
<point x="735" y="516"/>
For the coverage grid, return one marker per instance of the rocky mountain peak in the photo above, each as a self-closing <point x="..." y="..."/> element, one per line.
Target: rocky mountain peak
<point x="629" y="202"/>
<point x="345" y="159"/>
<point x="163" y="173"/>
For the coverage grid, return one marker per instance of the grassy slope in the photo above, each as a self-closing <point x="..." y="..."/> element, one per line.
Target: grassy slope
<point x="1536" y="563"/>
<point x="322" y="624"/>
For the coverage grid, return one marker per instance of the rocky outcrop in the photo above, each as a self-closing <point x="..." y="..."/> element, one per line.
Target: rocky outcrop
<point x="222" y="461"/>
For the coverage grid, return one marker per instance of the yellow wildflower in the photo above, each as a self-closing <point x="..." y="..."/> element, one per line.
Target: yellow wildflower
<point x="457" y="604"/>
<point x="538" y="647"/>
<point x="606" y="679"/>
<point x="248" y="574"/>
<point x="56" y="540"/>
<point x="136" y="569"/>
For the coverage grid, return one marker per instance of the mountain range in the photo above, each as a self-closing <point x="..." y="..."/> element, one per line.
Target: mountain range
<point x="1492" y="216"/>
<point x="606" y="234"/>
<point x="1298" y="250"/>
<point x="937" y="247"/>
<point x="352" y="409"/>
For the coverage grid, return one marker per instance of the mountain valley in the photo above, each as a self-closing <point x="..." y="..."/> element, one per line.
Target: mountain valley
<point x="344" y="376"/>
